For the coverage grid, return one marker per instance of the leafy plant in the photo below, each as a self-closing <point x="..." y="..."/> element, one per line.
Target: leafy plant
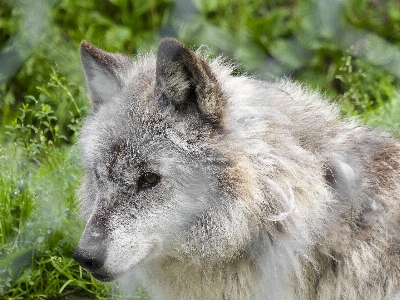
<point x="379" y="16"/>
<point x="114" y="25"/>
<point x="365" y="86"/>
<point x="38" y="127"/>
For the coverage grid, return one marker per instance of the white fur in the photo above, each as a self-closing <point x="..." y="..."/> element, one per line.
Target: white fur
<point x="284" y="201"/>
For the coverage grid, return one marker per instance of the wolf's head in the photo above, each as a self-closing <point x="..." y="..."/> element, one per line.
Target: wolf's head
<point x="153" y="174"/>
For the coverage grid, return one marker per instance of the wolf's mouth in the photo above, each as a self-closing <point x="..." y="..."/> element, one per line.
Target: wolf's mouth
<point x="106" y="277"/>
<point x="106" y="274"/>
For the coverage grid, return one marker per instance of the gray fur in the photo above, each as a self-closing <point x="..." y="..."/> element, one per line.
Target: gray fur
<point x="263" y="192"/>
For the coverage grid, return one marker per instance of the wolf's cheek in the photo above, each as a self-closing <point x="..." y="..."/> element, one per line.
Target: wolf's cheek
<point x="127" y="251"/>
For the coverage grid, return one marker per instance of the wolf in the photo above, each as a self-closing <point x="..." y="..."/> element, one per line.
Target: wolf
<point x="206" y="185"/>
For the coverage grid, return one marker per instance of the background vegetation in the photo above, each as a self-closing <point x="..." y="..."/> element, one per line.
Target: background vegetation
<point x="348" y="49"/>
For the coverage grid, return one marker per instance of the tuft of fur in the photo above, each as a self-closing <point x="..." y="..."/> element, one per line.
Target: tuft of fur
<point x="257" y="190"/>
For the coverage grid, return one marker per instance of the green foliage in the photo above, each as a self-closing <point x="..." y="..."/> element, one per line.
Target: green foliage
<point x="114" y="25"/>
<point x="380" y="16"/>
<point x="365" y="86"/>
<point x="38" y="126"/>
<point x="30" y="239"/>
<point x="246" y="30"/>
<point x="386" y="116"/>
<point x="123" y="25"/>
<point x="305" y="40"/>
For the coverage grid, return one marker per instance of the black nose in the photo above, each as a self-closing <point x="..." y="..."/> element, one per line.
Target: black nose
<point x="90" y="258"/>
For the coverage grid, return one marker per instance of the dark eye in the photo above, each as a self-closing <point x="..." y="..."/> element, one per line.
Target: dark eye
<point x="148" y="180"/>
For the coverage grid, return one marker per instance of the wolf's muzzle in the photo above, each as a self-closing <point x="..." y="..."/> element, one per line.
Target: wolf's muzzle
<point x="91" y="253"/>
<point x="90" y="258"/>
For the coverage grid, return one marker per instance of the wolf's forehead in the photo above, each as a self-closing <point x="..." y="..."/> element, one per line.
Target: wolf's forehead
<point x="114" y="136"/>
<point x="136" y="153"/>
<point x="141" y="78"/>
<point x="141" y="141"/>
<point x="121" y="153"/>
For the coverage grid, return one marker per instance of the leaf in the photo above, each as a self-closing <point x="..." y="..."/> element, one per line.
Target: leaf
<point x="42" y="98"/>
<point x="31" y="98"/>
<point x="290" y="53"/>
<point x="118" y="36"/>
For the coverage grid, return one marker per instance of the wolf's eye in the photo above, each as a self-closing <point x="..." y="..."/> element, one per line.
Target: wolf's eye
<point x="148" y="180"/>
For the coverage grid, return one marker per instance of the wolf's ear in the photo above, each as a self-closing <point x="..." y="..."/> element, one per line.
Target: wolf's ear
<point x="102" y="71"/>
<point x="185" y="79"/>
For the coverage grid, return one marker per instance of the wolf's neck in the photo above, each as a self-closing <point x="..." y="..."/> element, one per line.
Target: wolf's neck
<point x="174" y="279"/>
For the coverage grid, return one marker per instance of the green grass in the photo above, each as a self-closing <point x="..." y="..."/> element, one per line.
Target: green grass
<point x="43" y="101"/>
<point x="39" y="225"/>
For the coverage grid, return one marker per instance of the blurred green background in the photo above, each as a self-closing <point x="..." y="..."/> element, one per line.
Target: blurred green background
<point x="349" y="50"/>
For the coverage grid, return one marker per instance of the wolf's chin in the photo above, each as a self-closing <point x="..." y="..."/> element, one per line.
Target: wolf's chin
<point x="113" y="276"/>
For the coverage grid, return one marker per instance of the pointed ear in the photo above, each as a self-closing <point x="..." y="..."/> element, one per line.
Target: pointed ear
<point x="102" y="70"/>
<point x="185" y="79"/>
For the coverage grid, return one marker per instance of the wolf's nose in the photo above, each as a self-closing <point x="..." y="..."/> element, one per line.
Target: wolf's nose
<point x="91" y="259"/>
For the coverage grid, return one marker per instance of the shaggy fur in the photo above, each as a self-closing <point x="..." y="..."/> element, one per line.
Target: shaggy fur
<point x="212" y="186"/>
